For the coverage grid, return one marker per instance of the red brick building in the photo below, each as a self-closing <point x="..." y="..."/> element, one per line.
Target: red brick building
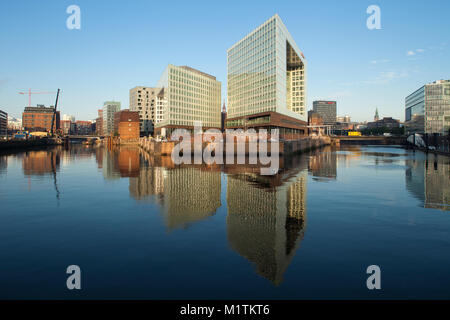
<point x="40" y="118"/>
<point x="126" y="124"/>
<point x="83" y="127"/>
<point x="315" y="121"/>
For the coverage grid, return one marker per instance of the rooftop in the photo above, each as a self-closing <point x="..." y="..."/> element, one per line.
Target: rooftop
<point x="198" y="72"/>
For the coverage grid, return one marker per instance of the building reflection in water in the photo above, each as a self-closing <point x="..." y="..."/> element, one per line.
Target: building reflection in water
<point x="187" y="194"/>
<point x="3" y="164"/>
<point x="48" y="162"/>
<point x="39" y="163"/>
<point x="119" y="162"/>
<point x="428" y="179"/>
<point x="266" y="214"/>
<point x="267" y="218"/>
<point x="323" y="164"/>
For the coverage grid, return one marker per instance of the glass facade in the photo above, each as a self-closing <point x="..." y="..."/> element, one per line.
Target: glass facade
<point x="267" y="72"/>
<point x="327" y="110"/>
<point x="427" y="110"/>
<point x="3" y="123"/>
<point x="437" y="111"/>
<point x="187" y="96"/>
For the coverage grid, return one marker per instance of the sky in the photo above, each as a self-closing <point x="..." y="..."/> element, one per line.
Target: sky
<point x="123" y="44"/>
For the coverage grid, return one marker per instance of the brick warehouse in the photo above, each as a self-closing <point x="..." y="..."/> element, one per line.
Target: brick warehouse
<point x="126" y="125"/>
<point x="40" y="118"/>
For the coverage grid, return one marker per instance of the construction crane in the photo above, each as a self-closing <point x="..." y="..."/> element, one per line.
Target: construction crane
<point x="54" y="111"/>
<point x="29" y="93"/>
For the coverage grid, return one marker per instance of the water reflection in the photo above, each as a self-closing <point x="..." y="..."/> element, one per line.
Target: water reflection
<point x="323" y="165"/>
<point x="428" y="179"/>
<point x="186" y="194"/>
<point x="266" y="224"/>
<point x="266" y="215"/>
<point x="39" y="163"/>
<point x="3" y="164"/>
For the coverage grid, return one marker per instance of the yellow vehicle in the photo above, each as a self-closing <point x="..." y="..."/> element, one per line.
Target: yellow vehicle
<point x="354" y="134"/>
<point x="39" y="134"/>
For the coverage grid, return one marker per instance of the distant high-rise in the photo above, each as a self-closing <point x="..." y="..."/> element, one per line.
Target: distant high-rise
<point x="267" y="81"/>
<point x="109" y="108"/>
<point x="3" y="123"/>
<point x="186" y="96"/>
<point x="427" y="110"/>
<point x="67" y="117"/>
<point x="327" y="109"/>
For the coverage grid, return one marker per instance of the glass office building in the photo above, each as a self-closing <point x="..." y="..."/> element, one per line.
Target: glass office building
<point x="3" y="124"/>
<point x="267" y="80"/>
<point x="427" y="110"/>
<point x="187" y="96"/>
<point x="328" y="111"/>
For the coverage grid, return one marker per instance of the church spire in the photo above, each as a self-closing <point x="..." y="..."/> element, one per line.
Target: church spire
<point x="377" y="117"/>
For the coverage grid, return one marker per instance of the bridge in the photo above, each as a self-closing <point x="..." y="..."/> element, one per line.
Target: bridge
<point x="81" y="138"/>
<point x="381" y="140"/>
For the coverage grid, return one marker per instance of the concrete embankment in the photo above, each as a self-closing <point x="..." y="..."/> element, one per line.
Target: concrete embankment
<point x="305" y="144"/>
<point x="284" y="147"/>
<point x="28" y="144"/>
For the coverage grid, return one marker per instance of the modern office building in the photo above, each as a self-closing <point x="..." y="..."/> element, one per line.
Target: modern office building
<point x="327" y="109"/>
<point x="145" y="100"/>
<point x="3" y="124"/>
<point x="267" y="81"/>
<point x="187" y="96"/>
<point x="109" y="108"/>
<point x="40" y="118"/>
<point x="427" y="110"/>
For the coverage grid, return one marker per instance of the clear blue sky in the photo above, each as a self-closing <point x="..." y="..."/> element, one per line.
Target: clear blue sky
<point x="122" y="44"/>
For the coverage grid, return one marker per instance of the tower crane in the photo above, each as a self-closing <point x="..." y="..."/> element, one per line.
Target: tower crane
<point x="29" y="93"/>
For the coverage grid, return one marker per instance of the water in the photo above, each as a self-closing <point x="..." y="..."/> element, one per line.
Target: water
<point x="140" y="227"/>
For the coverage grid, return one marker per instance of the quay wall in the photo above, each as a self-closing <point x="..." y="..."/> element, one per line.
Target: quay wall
<point x="27" y="144"/>
<point x="286" y="147"/>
